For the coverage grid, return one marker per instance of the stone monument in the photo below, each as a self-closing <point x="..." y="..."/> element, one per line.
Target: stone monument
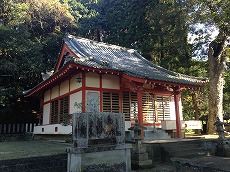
<point x="99" y="143"/>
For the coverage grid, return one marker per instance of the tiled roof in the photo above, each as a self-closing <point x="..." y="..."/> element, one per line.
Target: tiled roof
<point x="128" y="61"/>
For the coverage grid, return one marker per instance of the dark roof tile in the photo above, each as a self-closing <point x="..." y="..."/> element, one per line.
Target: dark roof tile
<point x="128" y="61"/>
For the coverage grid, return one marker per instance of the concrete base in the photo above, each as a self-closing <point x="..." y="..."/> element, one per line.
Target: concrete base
<point x="222" y="148"/>
<point x="96" y="159"/>
<point x="141" y="161"/>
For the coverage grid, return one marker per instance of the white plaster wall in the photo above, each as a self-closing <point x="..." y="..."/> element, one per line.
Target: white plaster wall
<point x="171" y="124"/>
<point x="92" y="80"/>
<point x="46" y="114"/>
<point x="47" y="96"/>
<point x="110" y="81"/>
<point x="75" y="98"/>
<point x="50" y="129"/>
<point x="64" y="87"/>
<point x="73" y="82"/>
<point x="55" y="92"/>
<point x="172" y="109"/>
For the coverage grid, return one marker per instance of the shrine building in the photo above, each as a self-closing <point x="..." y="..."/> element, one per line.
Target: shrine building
<point x="94" y="76"/>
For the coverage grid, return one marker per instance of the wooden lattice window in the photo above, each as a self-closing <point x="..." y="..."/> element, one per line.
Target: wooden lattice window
<point x="54" y="112"/>
<point x="111" y="102"/>
<point x="126" y="105"/>
<point x="58" y="109"/>
<point x="148" y="108"/>
<point x="163" y="107"/>
<point x="129" y="105"/>
<point x="64" y="109"/>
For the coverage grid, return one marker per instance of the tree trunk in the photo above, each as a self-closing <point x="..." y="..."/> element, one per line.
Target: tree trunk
<point x="195" y="106"/>
<point x="217" y="59"/>
<point x="196" y="109"/>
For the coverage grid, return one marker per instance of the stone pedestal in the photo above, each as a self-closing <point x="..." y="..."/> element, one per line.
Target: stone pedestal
<point x="139" y="157"/>
<point x="113" y="158"/>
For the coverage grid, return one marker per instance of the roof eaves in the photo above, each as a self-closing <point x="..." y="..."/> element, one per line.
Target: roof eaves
<point x="46" y="82"/>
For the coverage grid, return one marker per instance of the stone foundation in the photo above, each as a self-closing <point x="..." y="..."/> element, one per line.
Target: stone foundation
<point x="113" y="158"/>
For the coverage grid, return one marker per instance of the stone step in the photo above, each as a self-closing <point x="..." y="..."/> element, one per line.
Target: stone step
<point x="191" y="155"/>
<point x="185" y="149"/>
<point x="164" y="150"/>
<point x="187" y="152"/>
<point x="156" y="134"/>
<point x="191" y="149"/>
<point x="181" y="147"/>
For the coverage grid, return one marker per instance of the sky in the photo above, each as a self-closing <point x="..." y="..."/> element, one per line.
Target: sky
<point x="204" y="35"/>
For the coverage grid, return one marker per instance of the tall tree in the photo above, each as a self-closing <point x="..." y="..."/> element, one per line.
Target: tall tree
<point x="20" y="67"/>
<point x="31" y="32"/>
<point x="226" y="101"/>
<point x="169" y="32"/>
<point x="215" y="13"/>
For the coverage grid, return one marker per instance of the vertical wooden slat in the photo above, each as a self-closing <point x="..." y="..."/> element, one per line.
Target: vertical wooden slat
<point x="9" y="126"/>
<point x="32" y="129"/>
<point x="13" y="128"/>
<point x="19" y="128"/>
<point x="4" y="128"/>
<point x="27" y="127"/>
<point x="23" y="127"/>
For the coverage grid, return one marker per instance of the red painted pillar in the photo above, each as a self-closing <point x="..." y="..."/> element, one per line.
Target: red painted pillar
<point x="101" y="94"/>
<point x="140" y="114"/>
<point x="139" y="102"/>
<point x="41" y="111"/>
<point x="178" y="126"/>
<point x="83" y="92"/>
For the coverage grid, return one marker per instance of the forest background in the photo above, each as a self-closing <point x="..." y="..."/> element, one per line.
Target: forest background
<point x="31" y="33"/>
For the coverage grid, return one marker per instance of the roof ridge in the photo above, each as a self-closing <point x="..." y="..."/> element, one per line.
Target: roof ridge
<point x="107" y="45"/>
<point x="82" y="51"/>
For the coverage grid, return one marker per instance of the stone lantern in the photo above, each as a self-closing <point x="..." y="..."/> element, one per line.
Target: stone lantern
<point x="222" y="147"/>
<point x="139" y="156"/>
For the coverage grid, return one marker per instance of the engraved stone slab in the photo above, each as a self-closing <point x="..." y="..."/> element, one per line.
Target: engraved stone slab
<point x="94" y="126"/>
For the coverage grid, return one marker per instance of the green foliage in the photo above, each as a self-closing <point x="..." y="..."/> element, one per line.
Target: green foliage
<point x="20" y="67"/>
<point x="31" y="33"/>
<point x="48" y="16"/>
<point x="20" y="62"/>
